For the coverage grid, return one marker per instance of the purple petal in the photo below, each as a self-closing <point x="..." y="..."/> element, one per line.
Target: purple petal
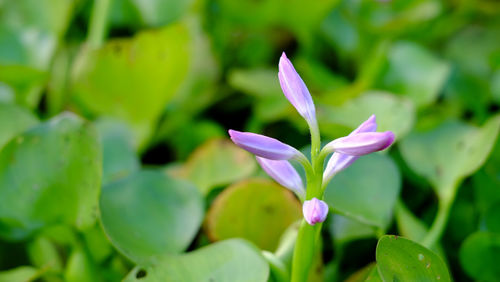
<point x="370" y="125"/>
<point x="340" y="161"/>
<point x="361" y="143"/>
<point x="337" y="163"/>
<point x="314" y="211"/>
<point x="263" y="146"/>
<point x="295" y="90"/>
<point x="284" y="173"/>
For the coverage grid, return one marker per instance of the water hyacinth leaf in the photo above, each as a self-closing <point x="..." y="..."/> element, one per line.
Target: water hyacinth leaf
<point x="217" y="162"/>
<point x="14" y="120"/>
<point x="148" y="214"/>
<point x="118" y="153"/>
<point x="370" y="198"/>
<point x="479" y="256"/>
<point x="20" y="274"/>
<point x="80" y="267"/>
<point x="33" y="192"/>
<point x="263" y="85"/>
<point x="400" y="259"/>
<point x="153" y="63"/>
<point x="423" y="80"/>
<point x="345" y="229"/>
<point x="492" y="218"/>
<point x="394" y="113"/>
<point x="226" y="261"/>
<point x="449" y="152"/>
<point x="257" y="210"/>
<point x="160" y="13"/>
<point x="43" y="254"/>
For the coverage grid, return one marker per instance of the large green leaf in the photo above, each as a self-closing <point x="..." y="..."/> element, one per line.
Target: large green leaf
<point x="393" y="113"/>
<point x="480" y="254"/>
<point x="148" y="214"/>
<point x="415" y="72"/>
<point x="366" y="191"/>
<point x="217" y="162"/>
<point x="14" y="120"/>
<point x="400" y="259"/>
<point x="133" y="79"/>
<point x="257" y="210"/>
<point x="50" y="174"/>
<point x="449" y="152"/>
<point x="226" y="261"/>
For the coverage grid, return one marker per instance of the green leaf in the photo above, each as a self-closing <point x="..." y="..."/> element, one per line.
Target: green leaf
<point x="345" y="229"/>
<point x="80" y="267"/>
<point x="226" y="261"/>
<point x="20" y="274"/>
<point x="393" y="113"/>
<point x="43" y="254"/>
<point x="118" y="153"/>
<point x="14" y="120"/>
<point x="217" y="162"/>
<point x="415" y="72"/>
<point x="400" y="259"/>
<point x="133" y="79"/>
<point x="479" y="256"/>
<point x="148" y="214"/>
<point x="492" y="218"/>
<point x="159" y="13"/>
<point x="257" y="210"/>
<point x="50" y="174"/>
<point x="449" y="152"/>
<point x="366" y="191"/>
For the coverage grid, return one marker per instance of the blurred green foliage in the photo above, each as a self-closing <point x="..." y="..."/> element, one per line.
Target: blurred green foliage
<point x="113" y="151"/>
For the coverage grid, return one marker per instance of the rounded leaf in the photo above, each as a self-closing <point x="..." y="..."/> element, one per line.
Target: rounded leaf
<point x="149" y="214"/>
<point x="400" y="259"/>
<point x="258" y="210"/>
<point x="50" y="174"/>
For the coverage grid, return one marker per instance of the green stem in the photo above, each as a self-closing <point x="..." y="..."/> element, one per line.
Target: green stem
<point x="97" y="26"/>
<point x="307" y="239"/>
<point x="439" y="223"/>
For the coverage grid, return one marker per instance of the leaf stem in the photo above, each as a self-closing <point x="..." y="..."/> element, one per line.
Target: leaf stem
<point x="98" y="20"/>
<point x="439" y="223"/>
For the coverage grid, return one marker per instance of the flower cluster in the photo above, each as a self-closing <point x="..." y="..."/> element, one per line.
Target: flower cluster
<point x="274" y="156"/>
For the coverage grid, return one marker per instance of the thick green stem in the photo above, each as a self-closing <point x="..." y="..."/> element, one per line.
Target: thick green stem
<point x="307" y="239"/>
<point x="98" y="20"/>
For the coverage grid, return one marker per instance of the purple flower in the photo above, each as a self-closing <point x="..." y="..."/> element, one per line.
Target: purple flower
<point x="361" y="143"/>
<point x="314" y="211"/>
<point x="284" y="173"/>
<point x="340" y="161"/>
<point x="263" y="146"/>
<point x="296" y="91"/>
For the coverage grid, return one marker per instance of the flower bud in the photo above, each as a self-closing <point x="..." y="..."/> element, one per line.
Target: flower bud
<point x="315" y="211"/>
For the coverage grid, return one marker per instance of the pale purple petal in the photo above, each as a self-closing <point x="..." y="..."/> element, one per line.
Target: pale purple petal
<point x="284" y="173"/>
<point x="314" y="211"/>
<point x="361" y="143"/>
<point x="340" y="161"/>
<point x="263" y="146"/>
<point x="337" y="163"/>
<point x="295" y="90"/>
<point x="369" y="125"/>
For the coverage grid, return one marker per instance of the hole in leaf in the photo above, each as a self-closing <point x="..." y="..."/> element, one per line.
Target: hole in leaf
<point x="141" y="274"/>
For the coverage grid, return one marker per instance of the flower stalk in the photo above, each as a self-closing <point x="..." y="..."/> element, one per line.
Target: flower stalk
<point x="274" y="156"/>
